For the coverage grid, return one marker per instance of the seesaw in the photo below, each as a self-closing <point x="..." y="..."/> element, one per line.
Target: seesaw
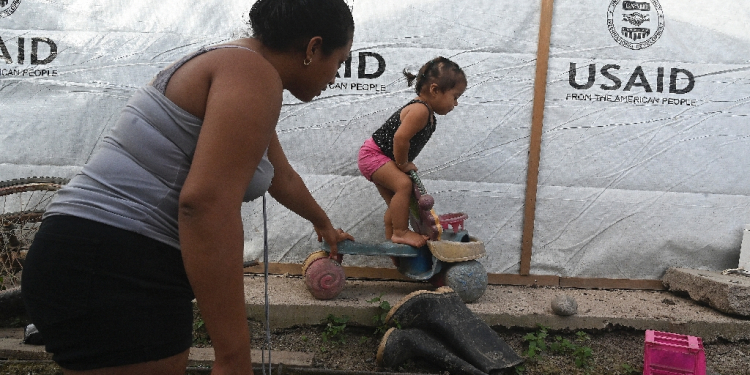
<point x="448" y="259"/>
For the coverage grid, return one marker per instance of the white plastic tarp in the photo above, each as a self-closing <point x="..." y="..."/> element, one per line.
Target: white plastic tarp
<point x="636" y="179"/>
<point x="627" y="187"/>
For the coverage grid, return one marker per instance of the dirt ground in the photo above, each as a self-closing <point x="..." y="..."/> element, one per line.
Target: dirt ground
<point x="617" y="352"/>
<point x="349" y="348"/>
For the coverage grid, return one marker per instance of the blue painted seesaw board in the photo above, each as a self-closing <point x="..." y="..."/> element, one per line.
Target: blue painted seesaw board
<point x="392" y="249"/>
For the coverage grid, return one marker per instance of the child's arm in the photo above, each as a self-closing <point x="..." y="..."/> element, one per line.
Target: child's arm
<point x="414" y="118"/>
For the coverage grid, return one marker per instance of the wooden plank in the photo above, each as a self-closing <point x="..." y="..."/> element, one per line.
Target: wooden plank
<point x="277" y="269"/>
<point x="15" y="350"/>
<point x="385" y="248"/>
<point x="349" y="271"/>
<point x="205" y="357"/>
<point x="373" y="273"/>
<point x="537" y="120"/>
<point x="602" y="283"/>
<point x="523" y="280"/>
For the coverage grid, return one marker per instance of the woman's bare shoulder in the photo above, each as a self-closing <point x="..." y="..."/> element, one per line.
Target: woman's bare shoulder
<point x="242" y="63"/>
<point x="235" y="71"/>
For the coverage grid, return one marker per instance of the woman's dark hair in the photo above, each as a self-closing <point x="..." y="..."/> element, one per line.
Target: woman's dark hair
<point x="439" y="70"/>
<point x="285" y="25"/>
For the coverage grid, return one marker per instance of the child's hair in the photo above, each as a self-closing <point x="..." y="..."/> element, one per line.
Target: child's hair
<point x="439" y="70"/>
<point x="289" y="24"/>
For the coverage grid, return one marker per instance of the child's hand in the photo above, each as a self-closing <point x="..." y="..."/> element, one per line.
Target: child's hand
<point x="407" y="167"/>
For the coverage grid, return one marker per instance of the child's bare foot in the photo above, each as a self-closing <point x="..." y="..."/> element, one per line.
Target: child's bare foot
<point x="408" y="237"/>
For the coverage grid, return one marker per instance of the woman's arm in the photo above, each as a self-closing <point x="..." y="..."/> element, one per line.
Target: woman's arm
<point x="242" y="108"/>
<point x="288" y="189"/>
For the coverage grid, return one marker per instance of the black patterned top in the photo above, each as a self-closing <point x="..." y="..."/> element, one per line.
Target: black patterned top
<point x="383" y="137"/>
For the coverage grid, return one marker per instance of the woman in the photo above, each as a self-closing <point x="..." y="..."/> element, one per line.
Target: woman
<point x="154" y="218"/>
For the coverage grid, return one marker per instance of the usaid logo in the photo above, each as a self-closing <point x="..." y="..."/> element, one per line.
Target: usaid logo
<point x="635" y="24"/>
<point x="7" y="7"/>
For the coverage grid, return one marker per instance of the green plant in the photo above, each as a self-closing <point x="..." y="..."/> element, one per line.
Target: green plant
<point x="581" y="353"/>
<point x="200" y="334"/>
<point x="379" y="319"/>
<point x="582" y="356"/>
<point x="334" y="328"/>
<point x="198" y="323"/>
<point x="561" y="346"/>
<point x="537" y="342"/>
<point x="629" y="370"/>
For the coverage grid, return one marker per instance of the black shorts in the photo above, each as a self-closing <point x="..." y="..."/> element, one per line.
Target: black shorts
<point x="102" y="296"/>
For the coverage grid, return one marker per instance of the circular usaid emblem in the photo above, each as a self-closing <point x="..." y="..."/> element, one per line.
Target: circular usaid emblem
<point x="635" y="24"/>
<point x="7" y="7"/>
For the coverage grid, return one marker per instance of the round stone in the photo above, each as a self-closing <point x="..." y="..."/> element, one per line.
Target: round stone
<point x="564" y="305"/>
<point x="468" y="279"/>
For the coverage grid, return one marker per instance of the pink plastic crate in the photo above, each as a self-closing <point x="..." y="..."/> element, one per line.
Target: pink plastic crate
<point x="673" y="354"/>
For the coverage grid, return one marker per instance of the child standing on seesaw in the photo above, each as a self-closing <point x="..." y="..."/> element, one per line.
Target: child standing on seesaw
<point x="387" y="157"/>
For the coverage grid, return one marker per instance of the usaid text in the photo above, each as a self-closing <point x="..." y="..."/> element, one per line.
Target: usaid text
<point x="43" y="51"/>
<point x="611" y="77"/>
<point x="47" y="44"/>
<point x="370" y="65"/>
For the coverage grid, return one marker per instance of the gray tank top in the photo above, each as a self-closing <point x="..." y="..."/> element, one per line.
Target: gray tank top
<point x="134" y="179"/>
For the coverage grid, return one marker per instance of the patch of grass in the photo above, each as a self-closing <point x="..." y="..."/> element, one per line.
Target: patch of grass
<point x="16" y="321"/>
<point x="581" y="353"/>
<point x="200" y="334"/>
<point x="629" y="370"/>
<point x="379" y="319"/>
<point x="537" y="344"/>
<point x="334" y="328"/>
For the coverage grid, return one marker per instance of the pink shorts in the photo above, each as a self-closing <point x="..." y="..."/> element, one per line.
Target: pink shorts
<point x="371" y="158"/>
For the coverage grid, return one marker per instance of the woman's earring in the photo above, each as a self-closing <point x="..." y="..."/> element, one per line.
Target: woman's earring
<point x="307" y="62"/>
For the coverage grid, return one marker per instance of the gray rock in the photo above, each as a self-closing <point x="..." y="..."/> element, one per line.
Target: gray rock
<point x="564" y="305"/>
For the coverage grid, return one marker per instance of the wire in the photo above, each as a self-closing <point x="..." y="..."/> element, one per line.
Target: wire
<point x="267" y="346"/>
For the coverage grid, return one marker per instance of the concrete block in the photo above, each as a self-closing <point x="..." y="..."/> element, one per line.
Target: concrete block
<point x="14" y="349"/>
<point x="727" y="293"/>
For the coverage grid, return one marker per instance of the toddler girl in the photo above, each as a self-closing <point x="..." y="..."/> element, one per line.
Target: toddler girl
<point x="387" y="157"/>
